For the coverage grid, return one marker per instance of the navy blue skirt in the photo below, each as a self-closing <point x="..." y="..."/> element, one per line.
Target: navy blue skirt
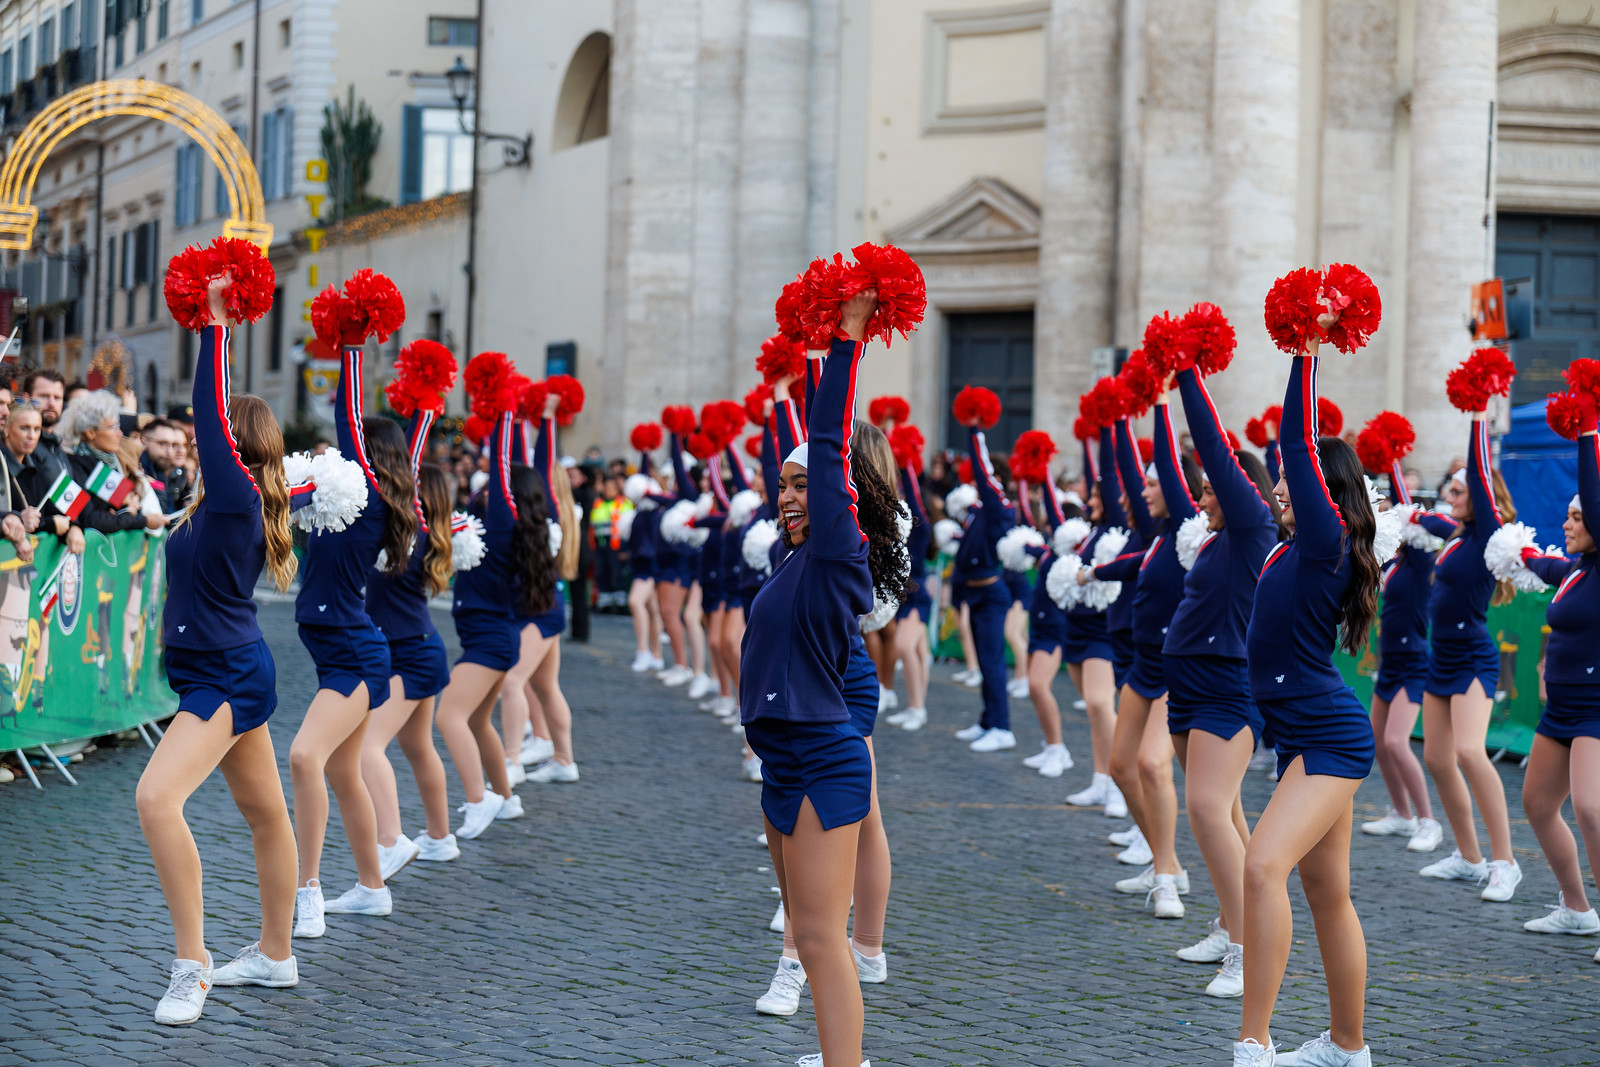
<point x="1211" y="693"/>
<point x="1087" y="638"/>
<point x="1047" y="627"/>
<point x="1121" y="655"/>
<point x="1017" y="583"/>
<point x="489" y="640"/>
<point x="643" y="568"/>
<point x="244" y="678"/>
<point x="958" y="593"/>
<point x="348" y="656"/>
<point x="860" y="690"/>
<point x="1572" y="711"/>
<point x="919" y="601"/>
<point x="1402" y="670"/>
<point x="1331" y="733"/>
<point x="1454" y="666"/>
<point x="422" y="665"/>
<point x="550" y="623"/>
<point x="1147" y="676"/>
<point x="826" y="761"/>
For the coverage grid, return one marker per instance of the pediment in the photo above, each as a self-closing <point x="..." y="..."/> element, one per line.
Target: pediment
<point x="984" y="216"/>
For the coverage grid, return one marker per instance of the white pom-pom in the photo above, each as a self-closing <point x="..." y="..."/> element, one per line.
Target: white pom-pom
<point x="1097" y="595"/>
<point x="476" y="483"/>
<point x="382" y="563"/>
<point x="625" y="526"/>
<point x="959" y="501"/>
<point x="553" y="528"/>
<point x="1389" y="533"/>
<point x="902" y="522"/>
<point x="1062" y="581"/>
<point x="757" y="547"/>
<point x="743" y="506"/>
<point x="703" y="506"/>
<point x="638" y="485"/>
<point x="1069" y="535"/>
<point x="1414" y="533"/>
<point x="1013" y="547"/>
<point x="1503" y="556"/>
<point x="883" y="612"/>
<point x="467" y="546"/>
<point x="1110" y="546"/>
<point x="947" y="535"/>
<point x="341" y="491"/>
<point x="297" y="468"/>
<point x="677" y="525"/>
<point x="1193" y="533"/>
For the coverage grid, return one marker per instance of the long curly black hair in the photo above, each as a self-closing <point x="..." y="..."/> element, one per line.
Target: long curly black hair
<point x="1347" y="484"/>
<point x="530" y="543"/>
<point x="391" y="463"/>
<point x="878" y="510"/>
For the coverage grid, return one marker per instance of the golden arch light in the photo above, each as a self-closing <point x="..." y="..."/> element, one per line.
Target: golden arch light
<point x="19" y="217"/>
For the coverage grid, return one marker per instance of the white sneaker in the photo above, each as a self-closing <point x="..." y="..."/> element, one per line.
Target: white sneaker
<point x="1080" y="705"/>
<point x="751" y="769"/>
<point x="479" y="816"/>
<point x="725" y="707"/>
<point x="871" y="970"/>
<point x="969" y="733"/>
<point x="783" y="993"/>
<point x="186" y="993"/>
<point x="1322" y="1052"/>
<point x="1453" y="867"/>
<point x="1163" y="898"/>
<point x="1116" y="804"/>
<point x="962" y="675"/>
<point x="700" y="687"/>
<point x="973" y="680"/>
<point x="656" y="664"/>
<point x="1093" y="796"/>
<point x="916" y="719"/>
<point x="554" y="771"/>
<point x="1124" y="838"/>
<point x="815" y="1060"/>
<point x="1213" y="948"/>
<point x="896" y="718"/>
<point x="888" y="699"/>
<point x="360" y="900"/>
<point x="1137" y="854"/>
<point x="1393" y="824"/>
<point x="677" y="675"/>
<point x="641" y="661"/>
<point x="1057" y="762"/>
<point x="1426" y="839"/>
<point x="308" y="911"/>
<point x="761" y="840"/>
<point x="1036" y="760"/>
<point x="994" y="741"/>
<point x="1145" y="881"/>
<point x="254" y="967"/>
<point x="511" y="809"/>
<point x="535" y="749"/>
<point x="1251" y="1053"/>
<point x="515" y="775"/>
<point x="1504" y="877"/>
<point x="437" y="849"/>
<point x="393" y="858"/>
<point x="1565" y="921"/>
<point x="1017" y="689"/>
<point x="1229" y="981"/>
<point x="776" y="925"/>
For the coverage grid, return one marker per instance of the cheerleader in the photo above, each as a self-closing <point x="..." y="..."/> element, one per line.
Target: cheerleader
<point x="1215" y="725"/>
<point x="816" y="768"/>
<point x="350" y="653"/>
<point x="1047" y="623"/>
<point x="916" y="609"/>
<point x="713" y="597"/>
<point x="1016" y="583"/>
<point x="222" y="670"/>
<point x="741" y="506"/>
<point x="987" y="598"/>
<point x="1316" y="589"/>
<point x="678" y="585"/>
<point x="644" y="551"/>
<point x="1463" y="672"/>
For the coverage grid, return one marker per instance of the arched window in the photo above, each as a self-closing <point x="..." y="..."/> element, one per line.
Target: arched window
<point x="583" y="110"/>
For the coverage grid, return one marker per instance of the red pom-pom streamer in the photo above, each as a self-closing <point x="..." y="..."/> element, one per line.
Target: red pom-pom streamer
<point x="883" y="408"/>
<point x="1143" y="383"/>
<point x="720" y="422"/>
<point x="1339" y="305"/>
<point x="755" y="403"/>
<point x="477" y="428"/>
<point x="1583" y="376"/>
<point x="1485" y="373"/>
<point x="977" y="403"/>
<point x="1349" y="293"/>
<point x="1273" y="415"/>
<point x="1167" y="345"/>
<point x="424" y="372"/>
<point x="700" y="446"/>
<point x="781" y="358"/>
<point x="488" y="380"/>
<point x="646" y="437"/>
<point x="1571" y="414"/>
<point x="1255" y="431"/>
<point x="1211" y="337"/>
<point x="1031" y="456"/>
<point x="1292" y="309"/>
<point x="752" y="446"/>
<point x="906" y="442"/>
<point x="678" y="419"/>
<point x="1105" y="403"/>
<point x="821" y="297"/>
<point x="1386" y="439"/>
<point x="1233" y="440"/>
<point x="787" y="310"/>
<point x="1330" y="420"/>
<point x="827" y="284"/>
<point x="1084" y="429"/>
<point x="379" y="310"/>
<point x="964" y="471"/>
<point x="1147" y="450"/>
<point x="190" y="272"/>
<point x="531" y="396"/>
<point x="570" y="390"/>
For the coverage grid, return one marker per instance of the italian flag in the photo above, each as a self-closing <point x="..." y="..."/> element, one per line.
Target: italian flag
<point x="109" y="485"/>
<point x="50" y="593"/>
<point x="68" y="499"/>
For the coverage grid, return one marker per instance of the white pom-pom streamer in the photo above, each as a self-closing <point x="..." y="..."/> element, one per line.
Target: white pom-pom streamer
<point x="1414" y="533"/>
<point x="1013" y="548"/>
<point x="1062" y="581"/>
<point x="341" y="493"/>
<point x="902" y="522"/>
<point x="1390" y="531"/>
<point x="625" y="526"/>
<point x="947" y="535"/>
<point x="1503" y="556"/>
<point x="1193" y="533"/>
<point x="638" y="486"/>
<point x="703" y="506"/>
<point x="883" y="612"/>
<point x="959" y="501"/>
<point x="553" y="528"/>
<point x="1069" y="536"/>
<point x="476" y="483"/>
<point x="743" y="506"/>
<point x="757" y="547"/>
<point x="677" y="525"/>
<point x="467" y="546"/>
<point x="1110" y="545"/>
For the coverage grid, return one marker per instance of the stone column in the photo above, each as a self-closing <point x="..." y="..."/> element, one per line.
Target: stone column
<point x="773" y="164"/>
<point x="1255" y="163"/>
<point x="1456" y="43"/>
<point x="823" y="164"/>
<point x="1077" y="230"/>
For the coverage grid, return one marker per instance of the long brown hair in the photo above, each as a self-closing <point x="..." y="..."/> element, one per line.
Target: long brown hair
<point x="433" y="489"/>
<point x="391" y="463"/>
<point x="1347" y="485"/>
<point x="259" y="440"/>
<point x="566" y="505"/>
<point x="1504" y="591"/>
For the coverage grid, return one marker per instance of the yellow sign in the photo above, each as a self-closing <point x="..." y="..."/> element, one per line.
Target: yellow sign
<point x="18" y="216"/>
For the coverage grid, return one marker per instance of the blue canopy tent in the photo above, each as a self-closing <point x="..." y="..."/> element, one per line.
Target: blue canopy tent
<point x="1541" y="470"/>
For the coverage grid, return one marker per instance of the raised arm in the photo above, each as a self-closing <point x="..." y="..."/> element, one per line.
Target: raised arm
<point x="230" y="487"/>
<point x="719" y="488"/>
<point x="1485" y="515"/>
<point x="1169" y="467"/>
<point x="1589" y="479"/>
<point x="736" y="471"/>
<point x="1133" y="477"/>
<point x="791" y="429"/>
<point x="348" y="410"/>
<point x="1397" y="485"/>
<point x="501" y="511"/>
<point x="1110" y="481"/>
<point x="911" y="489"/>
<point x="1240" y="500"/>
<point x="830" y="490"/>
<point x="682" y="487"/>
<point x="769" y="464"/>
<point x="1274" y="460"/>
<point x="544" y="456"/>
<point x="1319" y="529"/>
<point x="417" y="431"/>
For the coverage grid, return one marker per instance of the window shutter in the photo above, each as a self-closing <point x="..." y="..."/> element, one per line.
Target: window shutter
<point x="411" y="154"/>
<point x="286" y="131"/>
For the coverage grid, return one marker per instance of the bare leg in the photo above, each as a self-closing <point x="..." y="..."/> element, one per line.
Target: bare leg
<point x="1095" y="680"/>
<point x="1159" y="796"/>
<point x="873" y="872"/>
<point x="1016" y="631"/>
<point x="694" y="625"/>
<point x="1469" y="714"/>
<point x="733" y="637"/>
<point x="1586" y="795"/>
<point x="471" y="685"/>
<point x="1545" y="788"/>
<point x="1325" y="877"/>
<point x="383" y="724"/>
<point x="1392" y="723"/>
<point x="672" y="597"/>
<point x="331" y="721"/>
<point x="416" y="741"/>
<point x="1042" y="670"/>
<point x="1439" y="752"/>
<point x="1213" y="769"/>
<point x="969" y="651"/>
<point x="513" y="698"/>
<point x="1124" y="768"/>
<point x="639" y="595"/>
<point x="547" y="687"/>
<point x="536" y="719"/>
<point x="909" y="638"/>
<point x="884" y="652"/>
<point x="251" y="768"/>
<point x="819" y="874"/>
<point x="355" y="806"/>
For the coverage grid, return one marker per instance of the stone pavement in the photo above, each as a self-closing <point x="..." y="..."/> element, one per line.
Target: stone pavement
<point x="624" y="920"/>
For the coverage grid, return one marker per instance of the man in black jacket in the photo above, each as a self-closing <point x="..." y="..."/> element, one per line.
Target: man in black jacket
<point x="47" y="390"/>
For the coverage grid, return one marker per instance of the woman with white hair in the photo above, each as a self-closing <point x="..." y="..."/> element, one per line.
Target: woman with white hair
<point x="91" y="431"/>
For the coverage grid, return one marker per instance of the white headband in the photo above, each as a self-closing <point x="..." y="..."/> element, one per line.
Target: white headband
<point x="1576" y="504"/>
<point x="1150" y="472"/>
<point x="800" y="454"/>
<point x="1460" y="476"/>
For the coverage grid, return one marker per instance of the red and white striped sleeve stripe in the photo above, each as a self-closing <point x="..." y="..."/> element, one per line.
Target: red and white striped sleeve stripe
<point x="719" y="491"/>
<point x="1480" y="450"/>
<point x="354" y="410"/>
<point x="846" y="432"/>
<point x="1309" y="427"/>
<point x="1397" y="477"/>
<point x="988" y="469"/>
<point x="503" y="448"/>
<point x="224" y="389"/>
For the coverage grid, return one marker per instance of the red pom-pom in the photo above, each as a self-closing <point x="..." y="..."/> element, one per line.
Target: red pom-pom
<point x="1583" y="376"/>
<point x="906" y="442"/>
<point x="531" y="396"/>
<point x="700" y="446"/>
<point x="678" y="419"/>
<point x="646" y="437"/>
<point x="1084" y="429"/>
<point x="1485" y="373"/>
<point x="332" y="318"/>
<point x="570" y="390"/>
<point x="1273" y="416"/>
<point x="377" y="309"/>
<point x="902" y="292"/>
<point x="424" y="372"/>
<point x="755" y="403"/>
<point x="1339" y="305"/>
<point x="1143" y="383"/>
<point x="720" y="423"/>
<point x="821" y="296"/>
<point x="488" y="380"/>
<point x="250" y="296"/>
<point x="188" y="274"/>
<point x="1167" y="345"/>
<point x="1031" y="456"/>
<point x="1106" y="402"/>
<point x="781" y="358"/>
<point x="1211" y="337"/>
<point x="964" y="471"/>
<point x="1350" y="294"/>
<point x="883" y="408"/>
<point x="1330" y="420"/>
<point x="477" y="428"/>
<point x="1233" y="440"/>
<point x="1571" y="414"/>
<point x="1147" y="450"/>
<point x="977" y="403"/>
<point x="1255" y="431"/>
<point x="752" y="446"/>
<point x="787" y="311"/>
<point x="1385" y="440"/>
<point x="1292" y="308"/>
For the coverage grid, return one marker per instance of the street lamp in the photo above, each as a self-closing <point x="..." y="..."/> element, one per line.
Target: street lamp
<point x="518" y="151"/>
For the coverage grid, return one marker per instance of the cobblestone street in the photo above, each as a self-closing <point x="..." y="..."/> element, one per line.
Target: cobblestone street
<point x="624" y="920"/>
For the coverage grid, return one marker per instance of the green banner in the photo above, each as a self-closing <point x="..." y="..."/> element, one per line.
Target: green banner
<point x="91" y="665"/>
